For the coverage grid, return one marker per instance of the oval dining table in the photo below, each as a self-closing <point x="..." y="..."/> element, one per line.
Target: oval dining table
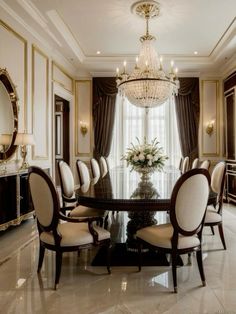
<point x="122" y="190"/>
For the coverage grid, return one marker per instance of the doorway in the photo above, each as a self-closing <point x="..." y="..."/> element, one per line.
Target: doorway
<point x="62" y="127"/>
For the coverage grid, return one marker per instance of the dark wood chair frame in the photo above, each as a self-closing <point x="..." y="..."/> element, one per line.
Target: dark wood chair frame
<point x="174" y="251"/>
<point x="219" y="211"/>
<point x="57" y="238"/>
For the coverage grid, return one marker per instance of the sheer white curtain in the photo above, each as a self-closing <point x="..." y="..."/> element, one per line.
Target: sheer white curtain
<point x="132" y="122"/>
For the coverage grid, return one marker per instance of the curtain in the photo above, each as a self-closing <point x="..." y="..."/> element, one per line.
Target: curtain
<point x="132" y="122"/>
<point x="187" y="113"/>
<point x="104" y="98"/>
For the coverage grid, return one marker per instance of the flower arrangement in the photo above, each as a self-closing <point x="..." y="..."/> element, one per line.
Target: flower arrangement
<point x="145" y="156"/>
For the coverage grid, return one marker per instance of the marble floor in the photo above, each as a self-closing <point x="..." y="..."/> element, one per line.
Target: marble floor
<point x="85" y="289"/>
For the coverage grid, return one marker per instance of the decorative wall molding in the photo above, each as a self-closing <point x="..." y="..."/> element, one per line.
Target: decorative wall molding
<point x="22" y="102"/>
<point x="210" y="111"/>
<point x="64" y="76"/>
<point x="40" y="98"/>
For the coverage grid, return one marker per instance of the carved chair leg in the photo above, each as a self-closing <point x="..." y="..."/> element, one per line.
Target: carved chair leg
<point x="212" y="230"/>
<point x="221" y="232"/>
<point x="58" y="268"/>
<point x="174" y="274"/>
<point x="200" y="266"/>
<point x="41" y="256"/>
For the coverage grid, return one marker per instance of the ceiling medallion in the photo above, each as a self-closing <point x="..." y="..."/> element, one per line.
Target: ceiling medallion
<point x="148" y="85"/>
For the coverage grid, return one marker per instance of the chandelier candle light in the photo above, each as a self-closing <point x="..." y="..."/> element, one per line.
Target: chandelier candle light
<point x="148" y="85"/>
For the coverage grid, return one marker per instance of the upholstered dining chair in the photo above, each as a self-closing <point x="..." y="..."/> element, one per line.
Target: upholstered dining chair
<point x="205" y="164"/>
<point x="184" y="233"/>
<point x="180" y="164"/>
<point x="103" y="166"/>
<point x="214" y="213"/>
<point x="195" y="163"/>
<point x="84" y="177"/>
<point x="185" y="165"/>
<point x="95" y="168"/>
<point x="67" y="183"/>
<point x="68" y="194"/>
<point x="72" y="234"/>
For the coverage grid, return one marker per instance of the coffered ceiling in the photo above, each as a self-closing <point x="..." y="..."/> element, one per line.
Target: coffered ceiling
<point x="80" y="28"/>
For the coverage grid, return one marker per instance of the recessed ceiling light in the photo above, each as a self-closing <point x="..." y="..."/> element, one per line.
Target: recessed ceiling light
<point x="195" y="52"/>
<point x="98" y="52"/>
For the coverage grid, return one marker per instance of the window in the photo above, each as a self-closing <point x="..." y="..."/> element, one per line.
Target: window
<point x="132" y="122"/>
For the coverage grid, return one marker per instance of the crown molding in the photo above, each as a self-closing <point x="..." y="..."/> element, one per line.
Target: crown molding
<point x="35" y="14"/>
<point x="65" y="32"/>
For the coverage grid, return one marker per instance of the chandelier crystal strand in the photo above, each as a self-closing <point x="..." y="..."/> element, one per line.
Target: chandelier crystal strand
<point x="148" y="85"/>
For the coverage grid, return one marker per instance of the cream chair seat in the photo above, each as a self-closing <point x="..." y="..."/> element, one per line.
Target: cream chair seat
<point x="212" y="215"/>
<point x="161" y="236"/>
<point x="72" y="234"/>
<point x="187" y="211"/>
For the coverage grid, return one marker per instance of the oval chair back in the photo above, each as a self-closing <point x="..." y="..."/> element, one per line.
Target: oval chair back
<point x="185" y="165"/>
<point x="218" y="180"/>
<point x="83" y="173"/>
<point x="66" y="179"/>
<point x="103" y="166"/>
<point x="45" y="199"/>
<point x="189" y="201"/>
<point x="205" y="164"/>
<point x="95" y="168"/>
<point x="195" y="163"/>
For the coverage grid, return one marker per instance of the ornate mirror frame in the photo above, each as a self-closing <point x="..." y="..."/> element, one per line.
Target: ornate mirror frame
<point x="10" y="88"/>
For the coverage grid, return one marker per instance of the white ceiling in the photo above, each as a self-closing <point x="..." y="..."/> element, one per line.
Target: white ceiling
<point x="78" y="28"/>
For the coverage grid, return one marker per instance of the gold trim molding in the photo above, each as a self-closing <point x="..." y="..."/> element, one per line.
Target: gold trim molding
<point x="56" y="65"/>
<point x="22" y="39"/>
<point x="40" y="52"/>
<point x="77" y="127"/>
<point x="216" y="127"/>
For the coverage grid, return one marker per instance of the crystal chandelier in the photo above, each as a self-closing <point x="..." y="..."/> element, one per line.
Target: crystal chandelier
<point x="148" y="85"/>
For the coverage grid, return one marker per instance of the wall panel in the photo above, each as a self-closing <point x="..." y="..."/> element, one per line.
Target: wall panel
<point x="13" y="57"/>
<point x="40" y="116"/>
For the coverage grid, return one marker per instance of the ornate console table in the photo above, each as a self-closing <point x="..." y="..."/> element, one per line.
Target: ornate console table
<point x="15" y="204"/>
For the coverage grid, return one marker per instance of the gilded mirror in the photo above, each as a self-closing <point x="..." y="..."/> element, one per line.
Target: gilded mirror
<point x="8" y="115"/>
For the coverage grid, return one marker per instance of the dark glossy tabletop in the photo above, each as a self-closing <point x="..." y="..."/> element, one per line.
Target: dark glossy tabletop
<point x="123" y="190"/>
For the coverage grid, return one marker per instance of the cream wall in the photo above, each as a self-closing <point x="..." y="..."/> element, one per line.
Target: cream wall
<point x="39" y="74"/>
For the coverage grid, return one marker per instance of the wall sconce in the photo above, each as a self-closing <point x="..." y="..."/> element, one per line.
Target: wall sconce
<point x="83" y="127"/>
<point x="24" y="139"/>
<point x="210" y="127"/>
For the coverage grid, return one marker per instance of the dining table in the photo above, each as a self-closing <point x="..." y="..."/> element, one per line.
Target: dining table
<point x="123" y="190"/>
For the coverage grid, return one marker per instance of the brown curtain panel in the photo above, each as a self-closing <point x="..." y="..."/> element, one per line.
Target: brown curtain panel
<point x="187" y="112"/>
<point x="104" y="98"/>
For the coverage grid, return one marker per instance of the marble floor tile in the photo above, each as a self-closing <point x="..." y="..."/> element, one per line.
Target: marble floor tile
<point x="85" y="289"/>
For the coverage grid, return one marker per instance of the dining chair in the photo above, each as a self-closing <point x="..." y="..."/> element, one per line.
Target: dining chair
<point x="68" y="194"/>
<point x="85" y="180"/>
<point x="103" y="166"/>
<point x="180" y="164"/>
<point x="195" y="163"/>
<point x="205" y="164"/>
<point x="214" y="213"/>
<point x="95" y="168"/>
<point x="58" y="232"/>
<point x="67" y="183"/>
<point x="185" y="165"/>
<point x="184" y="232"/>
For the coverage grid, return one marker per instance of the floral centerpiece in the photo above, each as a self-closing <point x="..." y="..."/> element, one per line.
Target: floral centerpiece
<point x="145" y="158"/>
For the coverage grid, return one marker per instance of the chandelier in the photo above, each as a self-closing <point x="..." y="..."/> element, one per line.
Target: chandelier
<point x="148" y="85"/>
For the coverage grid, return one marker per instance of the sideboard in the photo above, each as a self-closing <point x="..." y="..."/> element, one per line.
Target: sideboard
<point x="15" y="202"/>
